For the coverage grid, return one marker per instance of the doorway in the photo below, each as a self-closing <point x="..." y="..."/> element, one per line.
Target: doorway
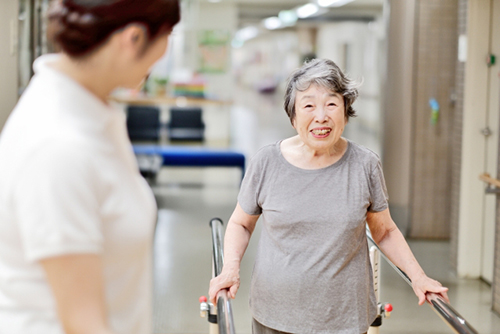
<point x="480" y="141"/>
<point x="491" y="142"/>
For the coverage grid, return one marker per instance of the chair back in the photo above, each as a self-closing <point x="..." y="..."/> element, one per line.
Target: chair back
<point x="143" y="123"/>
<point x="189" y="117"/>
<point x="186" y="123"/>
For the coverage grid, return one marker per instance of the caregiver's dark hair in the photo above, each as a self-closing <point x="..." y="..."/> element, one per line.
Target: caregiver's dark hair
<point x="79" y="27"/>
<point x="323" y="72"/>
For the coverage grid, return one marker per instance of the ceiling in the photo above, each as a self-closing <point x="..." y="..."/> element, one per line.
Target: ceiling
<point x="252" y="11"/>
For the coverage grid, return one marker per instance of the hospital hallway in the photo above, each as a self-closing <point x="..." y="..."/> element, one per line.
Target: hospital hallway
<point x="188" y="198"/>
<point x="425" y="76"/>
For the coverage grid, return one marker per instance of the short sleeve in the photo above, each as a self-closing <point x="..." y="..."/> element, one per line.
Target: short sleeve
<point x="56" y="204"/>
<point x="250" y="187"/>
<point x="378" y="190"/>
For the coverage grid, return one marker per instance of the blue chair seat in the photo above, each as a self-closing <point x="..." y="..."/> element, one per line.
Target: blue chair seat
<point x="193" y="156"/>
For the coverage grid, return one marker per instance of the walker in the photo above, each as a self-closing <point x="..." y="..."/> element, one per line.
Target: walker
<point x="221" y="321"/>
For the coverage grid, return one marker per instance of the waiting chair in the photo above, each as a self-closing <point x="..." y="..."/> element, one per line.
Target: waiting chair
<point x="143" y="123"/>
<point x="186" y="124"/>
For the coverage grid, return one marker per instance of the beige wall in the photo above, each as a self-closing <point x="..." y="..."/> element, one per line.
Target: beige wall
<point x="457" y="138"/>
<point x="8" y="58"/>
<point x="199" y="16"/>
<point x="397" y="108"/>
<point x="434" y="74"/>
<point x="422" y="38"/>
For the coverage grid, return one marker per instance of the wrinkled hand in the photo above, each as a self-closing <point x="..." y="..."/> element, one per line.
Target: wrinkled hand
<point x="229" y="279"/>
<point x="424" y="285"/>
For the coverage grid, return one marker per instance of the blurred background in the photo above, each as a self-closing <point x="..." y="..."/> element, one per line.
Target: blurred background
<point x="428" y="105"/>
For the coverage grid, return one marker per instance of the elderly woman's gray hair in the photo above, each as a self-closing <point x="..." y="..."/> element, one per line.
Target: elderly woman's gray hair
<point x="322" y="72"/>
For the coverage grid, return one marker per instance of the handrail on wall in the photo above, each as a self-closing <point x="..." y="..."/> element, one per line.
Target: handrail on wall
<point x="488" y="179"/>
<point x="447" y="313"/>
<point x="224" y="309"/>
<point x="493" y="184"/>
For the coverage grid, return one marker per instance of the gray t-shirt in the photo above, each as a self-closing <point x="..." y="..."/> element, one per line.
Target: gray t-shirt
<point x="312" y="272"/>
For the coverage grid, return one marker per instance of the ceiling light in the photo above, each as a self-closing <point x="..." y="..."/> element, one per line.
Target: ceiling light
<point x="247" y="33"/>
<point x="272" y="23"/>
<point x="214" y="1"/>
<point x="288" y="17"/>
<point x="333" y="3"/>
<point x="307" y="10"/>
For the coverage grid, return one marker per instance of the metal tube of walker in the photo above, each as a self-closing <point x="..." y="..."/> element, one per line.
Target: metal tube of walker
<point x="447" y="313"/>
<point x="224" y="309"/>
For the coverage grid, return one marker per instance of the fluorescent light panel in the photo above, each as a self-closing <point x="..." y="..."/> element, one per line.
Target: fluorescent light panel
<point x="288" y="17"/>
<point x="307" y="10"/>
<point x="272" y="23"/>
<point x="247" y="33"/>
<point x="333" y="3"/>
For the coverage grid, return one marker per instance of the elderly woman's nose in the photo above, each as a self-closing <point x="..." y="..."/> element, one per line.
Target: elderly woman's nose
<point x="320" y="114"/>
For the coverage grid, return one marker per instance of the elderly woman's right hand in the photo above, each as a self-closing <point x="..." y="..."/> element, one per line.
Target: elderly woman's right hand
<point x="229" y="279"/>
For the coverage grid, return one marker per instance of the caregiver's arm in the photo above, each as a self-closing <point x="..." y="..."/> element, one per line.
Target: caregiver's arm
<point x="78" y="286"/>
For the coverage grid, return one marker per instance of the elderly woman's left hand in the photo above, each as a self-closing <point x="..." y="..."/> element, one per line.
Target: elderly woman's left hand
<point x="424" y="285"/>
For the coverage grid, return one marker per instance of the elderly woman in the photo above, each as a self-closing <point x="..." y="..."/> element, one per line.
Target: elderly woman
<point x="315" y="192"/>
<point x="77" y="218"/>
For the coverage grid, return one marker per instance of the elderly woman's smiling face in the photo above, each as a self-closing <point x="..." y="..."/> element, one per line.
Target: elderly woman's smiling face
<point x="319" y="117"/>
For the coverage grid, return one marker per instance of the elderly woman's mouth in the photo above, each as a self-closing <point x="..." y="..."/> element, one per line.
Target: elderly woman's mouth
<point x="321" y="132"/>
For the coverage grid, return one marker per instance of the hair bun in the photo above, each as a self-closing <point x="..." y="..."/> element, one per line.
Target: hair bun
<point x="69" y="13"/>
<point x="57" y="10"/>
<point x="72" y="27"/>
<point x="80" y="19"/>
<point x="81" y="26"/>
